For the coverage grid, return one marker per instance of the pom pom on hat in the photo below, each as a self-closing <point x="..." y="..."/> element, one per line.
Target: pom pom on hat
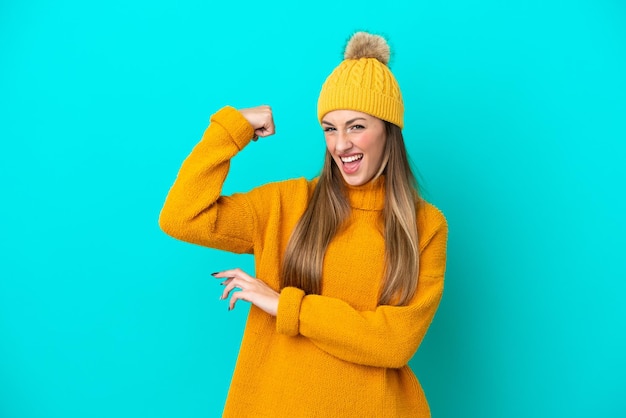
<point x="363" y="82"/>
<point x="366" y="45"/>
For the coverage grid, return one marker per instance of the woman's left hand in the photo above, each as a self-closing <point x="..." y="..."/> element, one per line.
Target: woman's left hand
<point x="251" y="290"/>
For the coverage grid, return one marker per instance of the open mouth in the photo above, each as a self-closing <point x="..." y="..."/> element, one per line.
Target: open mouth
<point x="350" y="164"/>
<point x="351" y="158"/>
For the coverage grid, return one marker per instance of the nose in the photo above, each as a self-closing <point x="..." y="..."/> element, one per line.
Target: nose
<point x="343" y="143"/>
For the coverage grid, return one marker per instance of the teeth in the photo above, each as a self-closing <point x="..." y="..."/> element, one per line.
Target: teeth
<point x="351" y="158"/>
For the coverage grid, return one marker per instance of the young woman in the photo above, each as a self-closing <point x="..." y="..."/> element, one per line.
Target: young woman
<point x="349" y="266"/>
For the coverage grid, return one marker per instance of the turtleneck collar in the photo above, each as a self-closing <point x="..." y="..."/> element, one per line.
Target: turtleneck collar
<point x="369" y="196"/>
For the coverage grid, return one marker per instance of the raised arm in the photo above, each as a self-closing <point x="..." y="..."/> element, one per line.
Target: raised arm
<point x="194" y="211"/>
<point x="386" y="337"/>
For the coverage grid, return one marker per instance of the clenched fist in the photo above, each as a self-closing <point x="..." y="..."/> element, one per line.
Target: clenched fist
<point x="261" y="119"/>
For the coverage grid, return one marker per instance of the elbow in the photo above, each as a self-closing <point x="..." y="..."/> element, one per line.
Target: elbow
<point x="399" y="357"/>
<point x="399" y="352"/>
<point x="177" y="225"/>
<point x="389" y="358"/>
<point x="169" y="224"/>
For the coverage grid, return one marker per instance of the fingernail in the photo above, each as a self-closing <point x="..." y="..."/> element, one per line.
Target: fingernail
<point x="213" y="274"/>
<point x="229" y="309"/>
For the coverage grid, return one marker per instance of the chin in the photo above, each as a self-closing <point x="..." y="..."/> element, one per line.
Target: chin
<point x="356" y="181"/>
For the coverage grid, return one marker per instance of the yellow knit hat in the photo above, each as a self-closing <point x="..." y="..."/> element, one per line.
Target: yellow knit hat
<point x="363" y="82"/>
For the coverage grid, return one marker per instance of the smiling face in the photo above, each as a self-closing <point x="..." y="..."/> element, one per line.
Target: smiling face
<point x="356" y="141"/>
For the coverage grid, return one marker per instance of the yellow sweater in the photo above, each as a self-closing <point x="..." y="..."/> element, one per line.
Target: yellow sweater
<point x="337" y="354"/>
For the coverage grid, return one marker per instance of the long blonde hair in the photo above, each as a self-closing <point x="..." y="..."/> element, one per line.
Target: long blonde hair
<point x="329" y="208"/>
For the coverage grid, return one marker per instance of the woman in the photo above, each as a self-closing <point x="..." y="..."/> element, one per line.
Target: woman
<point x="349" y="265"/>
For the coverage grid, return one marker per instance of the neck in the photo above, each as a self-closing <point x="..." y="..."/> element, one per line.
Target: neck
<point x="369" y="196"/>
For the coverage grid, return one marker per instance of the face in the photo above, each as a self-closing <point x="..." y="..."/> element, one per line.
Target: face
<point x="356" y="142"/>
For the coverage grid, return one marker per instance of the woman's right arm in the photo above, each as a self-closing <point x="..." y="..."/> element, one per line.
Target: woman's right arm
<point x="194" y="211"/>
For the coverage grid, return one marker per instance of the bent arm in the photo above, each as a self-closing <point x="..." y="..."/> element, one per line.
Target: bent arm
<point x="194" y="211"/>
<point x="386" y="337"/>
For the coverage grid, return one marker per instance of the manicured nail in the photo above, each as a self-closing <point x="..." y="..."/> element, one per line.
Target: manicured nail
<point x="229" y="309"/>
<point x="213" y="274"/>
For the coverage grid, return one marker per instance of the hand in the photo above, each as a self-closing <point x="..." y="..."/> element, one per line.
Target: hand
<point x="261" y="119"/>
<point x="251" y="290"/>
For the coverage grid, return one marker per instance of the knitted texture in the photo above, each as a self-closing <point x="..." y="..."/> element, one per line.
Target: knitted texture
<point x="337" y="354"/>
<point x="364" y="84"/>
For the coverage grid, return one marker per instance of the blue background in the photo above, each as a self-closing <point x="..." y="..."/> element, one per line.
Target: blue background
<point x="515" y="119"/>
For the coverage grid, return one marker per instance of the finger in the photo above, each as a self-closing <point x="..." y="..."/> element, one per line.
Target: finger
<point x="235" y="273"/>
<point x="233" y="283"/>
<point x="270" y="127"/>
<point x="218" y="275"/>
<point x="235" y="297"/>
<point x="265" y="131"/>
<point x="226" y="274"/>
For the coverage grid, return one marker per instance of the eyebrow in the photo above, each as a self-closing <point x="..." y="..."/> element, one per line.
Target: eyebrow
<point x="347" y="122"/>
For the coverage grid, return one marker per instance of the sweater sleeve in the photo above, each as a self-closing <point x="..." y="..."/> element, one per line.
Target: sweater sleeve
<point x="386" y="337"/>
<point x="194" y="211"/>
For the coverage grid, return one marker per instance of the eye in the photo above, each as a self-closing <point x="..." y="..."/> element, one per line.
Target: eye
<point x="357" y="127"/>
<point x="329" y="129"/>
